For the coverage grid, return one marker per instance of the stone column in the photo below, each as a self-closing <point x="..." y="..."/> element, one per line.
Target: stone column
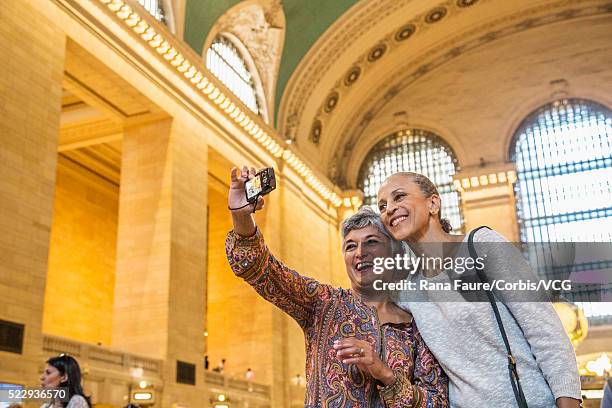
<point x="32" y="50"/>
<point x="159" y="307"/>
<point x="487" y="195"/>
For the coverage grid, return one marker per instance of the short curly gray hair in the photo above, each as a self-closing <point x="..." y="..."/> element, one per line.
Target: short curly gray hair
<point x="366" y="217"/>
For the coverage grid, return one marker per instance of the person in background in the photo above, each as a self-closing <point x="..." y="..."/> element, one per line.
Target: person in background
<point x="63" y="371"/>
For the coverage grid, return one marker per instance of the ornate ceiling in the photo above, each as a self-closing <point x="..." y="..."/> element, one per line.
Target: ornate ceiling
<point x="468" y="70"/>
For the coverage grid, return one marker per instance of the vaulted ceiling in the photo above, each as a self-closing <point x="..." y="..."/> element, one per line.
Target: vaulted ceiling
<point x="468" y="70"/>
<point x="306" y="21"/>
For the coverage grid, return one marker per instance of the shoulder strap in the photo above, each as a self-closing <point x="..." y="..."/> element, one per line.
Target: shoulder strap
<point x="514" y="378"/>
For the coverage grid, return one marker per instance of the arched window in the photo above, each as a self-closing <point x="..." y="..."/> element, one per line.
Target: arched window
<point x="418" y="151"/>
<point x="563" y="155"/>
<point x="155" y="8"/>
<point x="228" y="64"/>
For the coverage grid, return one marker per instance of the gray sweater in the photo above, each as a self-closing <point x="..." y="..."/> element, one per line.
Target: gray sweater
<point x="465" y="339"/>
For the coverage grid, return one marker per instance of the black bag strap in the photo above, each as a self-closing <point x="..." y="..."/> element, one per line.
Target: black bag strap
<point x="514" y="378"/>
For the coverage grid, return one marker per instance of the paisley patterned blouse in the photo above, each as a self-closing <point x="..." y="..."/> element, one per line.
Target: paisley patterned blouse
<point x="327" y="314"/>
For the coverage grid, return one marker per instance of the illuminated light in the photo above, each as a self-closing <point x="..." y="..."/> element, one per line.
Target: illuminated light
<point x="356" y="201"/>
<point x="465" y="183"/>
<point x="225" y="104"/>
<point x="235" y="114"/>
<point x="273" y="148"/>
<point x="474" y="181"/>
<point x="156" y="41"/>
<point x="457" y="184"/>
<point x="511" y="176"/>
<point x="254" y="130"/>
<point x="184" y="67"/>
<point x="244" y="121"/>
<point x="142" y="396"/>
<point x="191" y="72"/>
<point x="115" y="5"/>
<point x="142" y="384"/>
<point x="593" y="394"/>
<point x="148" y="34"/>
<point x="124" y="12"/>
<point x="221" y="397"/>
<point x="209" y="88"/>
<point x="493" y="178"/>
<point x="279" y="153"/>
<point x="197" y="77"/>
<point x="214" y="93"/>
<point x="267" y="142"/>
<point x="259" y="132"/>
<point x="105" y="1"/>
<point x="347" y="202"/>
<point x="177" y="60"/>
<point x="287" y="154"/>
<point x="249" y="126"/>
<point x="170" y="54"/>
<point x="240" y="117"/>
<point x="163" y="48"/>
<point x="501" y="177"/>
<point x="220" y="99"/>
<point x="483" y="180"/>
<point x="133" y="20"/>
<point x="202" y="84"/>
<point x="141" y="27"/>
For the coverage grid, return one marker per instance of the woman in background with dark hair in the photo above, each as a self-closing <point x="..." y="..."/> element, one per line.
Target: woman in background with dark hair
<point x="63" y="371"/>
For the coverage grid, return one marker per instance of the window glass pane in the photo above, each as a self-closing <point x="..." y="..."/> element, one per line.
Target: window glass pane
<point x="563" y="155"/>
<point x="226" y="63"/>
<point x="154" y="7"/>
<point x="418" y="151"/>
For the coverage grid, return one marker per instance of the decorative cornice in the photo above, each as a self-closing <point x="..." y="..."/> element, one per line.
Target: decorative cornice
<point x="482" y="177"/>
<point x="393" y="40"/>
<point x="130" y="13"/>
<point x="338" y="38"/>
<point x="441" y="54"/>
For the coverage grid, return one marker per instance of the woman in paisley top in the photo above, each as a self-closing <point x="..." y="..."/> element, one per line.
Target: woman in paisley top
<point x="358" y="353"/>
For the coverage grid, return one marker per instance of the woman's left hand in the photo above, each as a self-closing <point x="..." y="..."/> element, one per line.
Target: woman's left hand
<point x="361" y="353"/>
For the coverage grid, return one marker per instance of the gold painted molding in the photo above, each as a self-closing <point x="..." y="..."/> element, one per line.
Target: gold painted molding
<point x="130" y="13"/>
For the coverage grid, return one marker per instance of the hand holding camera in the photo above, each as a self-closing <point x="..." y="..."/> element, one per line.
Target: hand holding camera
<point x="245" y="196"/>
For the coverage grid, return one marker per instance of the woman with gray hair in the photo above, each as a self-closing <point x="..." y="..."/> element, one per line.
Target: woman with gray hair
<point x="359" y="352"/>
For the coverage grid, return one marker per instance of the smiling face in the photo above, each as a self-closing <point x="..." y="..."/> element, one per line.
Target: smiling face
<point x="51" y="378"/>
<point x="360" y="247"/>
<point x="405" y="211"/>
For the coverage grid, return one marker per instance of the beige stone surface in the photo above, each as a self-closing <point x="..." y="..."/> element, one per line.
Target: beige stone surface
<point x="32" y="51"/>
<point x="81" y="274"/>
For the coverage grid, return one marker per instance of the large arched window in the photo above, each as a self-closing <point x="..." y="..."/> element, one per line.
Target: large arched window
<point x="228" y="64"/>
<point x="418" y="151"/>
<point x="563" y="155"/>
